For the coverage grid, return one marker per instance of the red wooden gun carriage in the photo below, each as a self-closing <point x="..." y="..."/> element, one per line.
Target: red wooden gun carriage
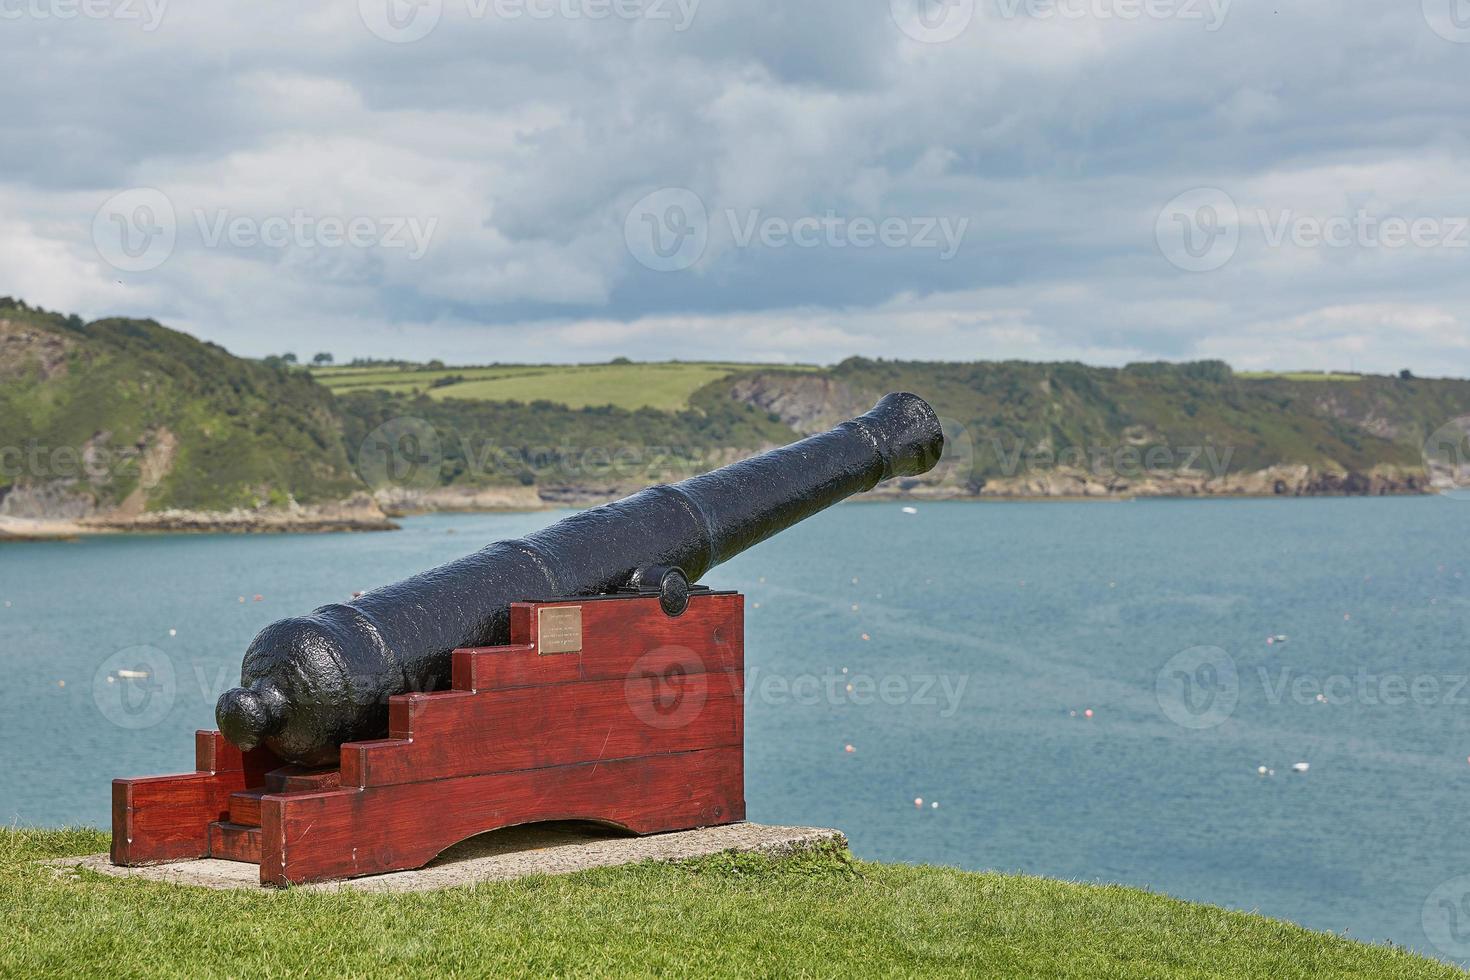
<point x="640" y="728"/>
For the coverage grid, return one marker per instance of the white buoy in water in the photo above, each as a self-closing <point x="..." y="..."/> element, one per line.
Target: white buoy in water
<point x="1261" y="770"/>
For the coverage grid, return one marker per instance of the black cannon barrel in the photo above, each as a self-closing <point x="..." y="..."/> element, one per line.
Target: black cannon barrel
<point x="311" y="683"/>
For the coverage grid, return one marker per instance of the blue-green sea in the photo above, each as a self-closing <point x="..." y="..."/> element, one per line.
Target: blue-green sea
<point x="976" y="638"/>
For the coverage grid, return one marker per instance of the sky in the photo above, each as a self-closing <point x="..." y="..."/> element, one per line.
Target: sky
<point x="1282" y="185"/>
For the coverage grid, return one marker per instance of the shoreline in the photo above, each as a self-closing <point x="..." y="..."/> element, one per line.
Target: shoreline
<point x="15" y="530"/>
<point x="358" y="513"/>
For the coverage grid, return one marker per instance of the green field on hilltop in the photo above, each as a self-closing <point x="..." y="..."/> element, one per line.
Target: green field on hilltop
<point x="666" y="386"/>
<point x="817" y="914"/>
<point x="1296" y="376"/>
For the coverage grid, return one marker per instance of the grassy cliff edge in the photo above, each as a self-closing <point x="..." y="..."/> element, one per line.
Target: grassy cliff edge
<point x="816" y="914"/>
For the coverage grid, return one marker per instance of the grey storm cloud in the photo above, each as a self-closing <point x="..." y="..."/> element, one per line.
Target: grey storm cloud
<point x="1280" y="185"/>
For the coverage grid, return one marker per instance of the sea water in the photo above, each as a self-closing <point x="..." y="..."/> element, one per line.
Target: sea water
<point x="1101" y="692"/>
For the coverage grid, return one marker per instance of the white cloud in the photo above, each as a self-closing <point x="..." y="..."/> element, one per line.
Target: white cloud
<point x="525" y="141"/>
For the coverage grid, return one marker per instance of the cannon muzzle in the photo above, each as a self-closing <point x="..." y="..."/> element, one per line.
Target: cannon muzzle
<point x="311" y="683"/>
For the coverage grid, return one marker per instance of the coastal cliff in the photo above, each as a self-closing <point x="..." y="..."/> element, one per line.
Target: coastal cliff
<point x="122" y="425"/>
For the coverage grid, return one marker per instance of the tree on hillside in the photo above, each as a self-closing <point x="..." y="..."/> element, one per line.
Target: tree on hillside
<point x="288" y="358"/>
<point x="322" y="359"/>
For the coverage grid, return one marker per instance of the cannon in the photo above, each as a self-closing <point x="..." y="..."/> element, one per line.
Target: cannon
<point x="578" y="674"/>
<point x="312" y="683"/>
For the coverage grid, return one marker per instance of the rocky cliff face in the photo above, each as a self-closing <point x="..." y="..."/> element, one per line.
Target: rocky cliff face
<point x="1276" y="481"/>
<point x="808" y="403"/>
<point x="25" y="347"/>
<point x="814" y="402"/>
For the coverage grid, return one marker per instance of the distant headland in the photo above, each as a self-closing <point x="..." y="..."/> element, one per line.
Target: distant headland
<point x="127" y="425"/>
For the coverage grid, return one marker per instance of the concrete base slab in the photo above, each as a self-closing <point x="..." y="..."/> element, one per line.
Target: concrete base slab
<point x="502" y="856"/>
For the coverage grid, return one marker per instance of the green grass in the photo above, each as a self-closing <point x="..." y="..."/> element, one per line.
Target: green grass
<point x="663" y="386"/>
<point x="816" y="915"/>
<point x="666" y="386"/>
<point x="1296" y="376"/>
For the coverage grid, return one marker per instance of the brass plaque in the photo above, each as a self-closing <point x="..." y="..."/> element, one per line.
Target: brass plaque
<point x="559" y="629"/>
